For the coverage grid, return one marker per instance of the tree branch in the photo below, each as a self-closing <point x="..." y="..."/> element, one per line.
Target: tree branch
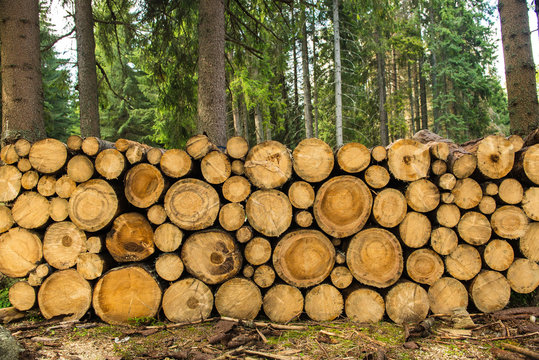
<point x="110" y="86"/>
<point x="112" y="22"/>
<point x="256" y="20"/>
<point x="253" y="51"/>
<point x="48" y="47"/>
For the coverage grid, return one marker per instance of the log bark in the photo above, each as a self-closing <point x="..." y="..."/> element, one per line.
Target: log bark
<point x="198" y="146"/>
<point x="474" y="228"/>
<point x="257" y="251"/>
<point x="268" y="165"/>
<point x="422" y="195"/>
<point x="463" y="263"/>
<point x="467" y="193"/>
<point x="187" y="301"/>
<point x="46" y="185"/>
<point x="238" y="298"/>
<point x="91" y="266"/>
<point x="175" y="163"/>
<point x="131" y="238"/>
<point x="62" y="244"/>
<point x="498" y="255"/>
<point x="215" y="167"/>
<point x="364" y="306"/>
<point x="415" y="229"/>
<point x="110" y="164"/>
<point x="377" y="176"/>
<point x="530" y="203"/>
<point x="313" y="160"/>
<point x="169" y="266"/>
<point x="143" y="185"/>
<point x="408" y="160"/>
<point x="10" y="182"/>
<point x="490" y="291"/>
<point x="48" y="155"/>
<point x="6" y="219"/>
<point x="509" y="222"/>
<point x="93" y="205"/>
<point x="443" y="240"/>
<point x="237" y="147"/>
<point x="324" y="303"/>
<point x="528" y="244"/>
<point x="510" y="191"/>
<point x="341" y="277"/>
<point x="447" y="295"/>
<point x="424" y="266"/>
<point x="389" y="207"/>
<point x="523" y="276"/>
<point x="269" y="212"/>
<point x="59" y="209"/>
<point x="407" y="302"/>
<point x="156" y="214"/>
<point x="80" y="168"/>
<point x="236" y="189"/>
<point x="232" y="216"/>
<point x="28" y="181"/>
<point x="301" y="195"/>
<point x="448" y="215"/>
<point x="168" y="237"/>
<point x="22" y="296"/>
<point x="353" y="157"/>
<point x="31" y="210"/>
<point x="283" y="303"/>
<point x="264" y="276"/>
<point x="64" y="187"/>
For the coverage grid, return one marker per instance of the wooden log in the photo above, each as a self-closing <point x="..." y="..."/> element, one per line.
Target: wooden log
<point x="62" y="244"/>
<point x="236" y="189"/>
<point x="131" y="238"/>
<point x="31" y="210"/>
<point x="490" y="291"/>
<point x="74" y="142"/>
<point x="340" y="257"/>
<point x="353" y="157"/>
<point x="36" y="276"/>
<point x="6" y="219"/>
<point x="364" y="306"/>
<point x="257" y="251"/>
<point x="65" y="293"/>
<point x="154" y="155"/>
<point x="168" y="237"/>
<point x="122" y="145"/>
<point x="510" y="191"/>
<point x="463" y="263"/>
<point x="530" y="203"/>
<point x="95" y="244"/>
<point x="10" y="182"/>
<point x="407" y="302"/>
<point x="22" y="296"/>
<point x="24" y="165"/>
<point x="28" y="181"/>
<point x="389" y="207"/>
<point x="460" y="162"/>
<point x="10" y="314"/>
<point x="498" y="255"/>
<point x="438" y="167"/>
<point x="46" y="185"/>
<point x="422" y="195"/>
<point x="48" y="155"/>
<point x="143" y="185"/>
<point x="526" y="161"/>
<point x="91" y="266"/>
<point x="408" y="160"/>
<point x="376" y="176"/>
<point x="487" y="205"/>
<point x="135" y="154"/>
<point x="80" y="168"/>
<point x="92" y="146"/>
<point x="269" y="212"/>
<point x="268" y="165"/>
<point x="187" y="301"/>
<point x="156" y="214"/>
<point x="303" y="258"/>
<point x="495" y="156"/>
<point x="264" y="276"/>
<point x="509" y="222"/>
<point x="467" y="193"/>
<point x="237" y="167"/>
<point x="447" y="295"/>
<point x="93" y="205"/>
<point x="238" y="298"/>
<point x="438" y="146"/>
<point x="415" y="229"/>
<point x="126" y="293"/>
<point x="341" y="277"/>
<point x="490" y="188"/>
<point x="313" y="160"/>
<point x="232" y="216"/>
<point x="424" y="266"/>
<point x="248" y="271"/>
<point x="198" y="146"/>
<point x="517" y="141"/>
<point x="324" y="303"/>
<point x="523" y="276"/>
<point x="447" y="198"/>
<point x="447" y="181"/>
<point x="110" y="164"/>
<point x="342" y="206"/>
<point x="237" y="147"/>
<point x="211" y="256"/>
<point x="448" y="215"/>
<point x="379" y="153"/>
<point x="374" y="257"/>
<point x="215" y="167"/>
<point x="528" y="244"/>
<point x="283" y="303"/>
<point x="169" y="266"/>
<point x="244" y="234"/>
<point x="192" y="204"/>
<point x="443" y="240"/>
<point x="8" y="155"/>
<point x="59" y="209"/>
<point x="64" y="187"/>
<point x="301" y="194"/>
<point x="22" y="147"/>
<point x="474" y="228"/>
<point x="303" y="218"/>
<point x="175" y="163"/>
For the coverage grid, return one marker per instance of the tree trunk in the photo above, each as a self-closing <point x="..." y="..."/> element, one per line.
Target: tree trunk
<point x="423" y="95"/>
<point x="315" y="77"/>
<point x="381" y="76"/>
<point x="22" y="90"/>
<point x="259" y="126"/>
<point x="411" y="100"/>
<point x="308" y="107"/>
<point x="338" y="81"/>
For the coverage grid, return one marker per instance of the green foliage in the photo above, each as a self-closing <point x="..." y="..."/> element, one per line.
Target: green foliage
<point x="5" y="284"/>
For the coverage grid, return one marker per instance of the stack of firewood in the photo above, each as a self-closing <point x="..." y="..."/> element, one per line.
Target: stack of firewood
<point x="127" y="229"/>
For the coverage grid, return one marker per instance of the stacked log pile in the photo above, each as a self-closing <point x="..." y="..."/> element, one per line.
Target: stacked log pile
<point x="127" y="230"/>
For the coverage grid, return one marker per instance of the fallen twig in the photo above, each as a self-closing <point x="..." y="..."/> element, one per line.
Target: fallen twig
<point x="530" y="353"/>
<point x="270" y="356"/>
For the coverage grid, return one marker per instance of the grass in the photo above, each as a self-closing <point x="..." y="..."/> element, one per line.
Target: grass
<point x="5" y="284"/>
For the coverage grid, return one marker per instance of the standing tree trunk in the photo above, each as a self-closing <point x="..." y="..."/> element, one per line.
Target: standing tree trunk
<point x="423" y="95"/>
<point x="338" y="81"/>
<point x="211" y="71"/>
<point x="308" y="107"/>
<point x="519" y="66"/>
<point x="315" y="76"/>
<point x="411" y="99"/>
<point x="259" y="126"/>
<point x="89" y="110"/>
<point x="381" y="74"/>
<point x="22" y="90"/>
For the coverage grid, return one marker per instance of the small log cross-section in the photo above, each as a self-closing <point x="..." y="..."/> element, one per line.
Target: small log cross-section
<point x="169" y="266"/>
<point x="509" y="222"/>
<point x="22" y="296"/>
<point x="10" y="183"/>
<point x="110" y="163"/>
<point x="48" y="156"/>
<point x="188" y="300"/>
<point x="175" y="163"/>
<point x="408" y="160"/>
<point x="313" y="160"/>
<point x="268" y="165"/>
<point x="523" y="276"/>
<point x="20" y="252"/>
<point x="301" y="194"/>
<point x="80" y="168"/>
<point x="198" y="146"/>
<point x="353" y="157"/>
<point x="283" y="303"/>
<point x="464" y="262"/>
<point x="324" y="303"/>
<point x="236" y="189"/>
<point x="424" y="266"/>
<point x="269" y="212"/>
<point x="131" y="238"/>
<point x="422" y="195"/>
<point x="31" y="210"/>
<point x="144" y="185"/>
<point x="93" y="205"/>
<point x="474" y="228"/>
<point x="407" y="302"/>
<point x="167" y="237"/>
<point x="415" y="229"/>
<point x="62" y="244"/>
<point x="498" y="255"/>
<point x="490" y="291"/>
<point x="215" y="167"/>
<point x="237" y="147"/>
<point x="443" y="240"/>
<point x="238" y="298"/>
<point x="365" y="306"/>
<point x="529" y="246"/>
<point x="495" y="156"/>
<point x="446" y="295"/>
<point x="389" y="207"/>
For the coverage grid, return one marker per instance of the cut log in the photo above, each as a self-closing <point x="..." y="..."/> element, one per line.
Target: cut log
<point x="168" y="237"/>
<point x="422" y="195"/>
<point x="65" y="293"/>
<point x="438" y="167"/>
<point x="31" y="210"/>
<point x="6" y="219"/>
<point x="93" y="205"/>
<point x="156" y="214"/>
<point x="487" y="205"/>
<point x="187" y="301"/>
<point x="131" y="238"/>
<point x="10" y="182"/>
<point x="64" y="187"/>
<point x="143" y="185"/>
<point x="95" y="244"/>
<point x="342" y="206"/>
<point x="467" y="193"/>
<point x="447" y="181"/>
<point x="415" y="230"/>
<point x="447" y="295"/>
<point x="215" y="167"/>
<point x="377" y="176"/>
<point x="92" y="146"/>
<point x="22" y="296"/>
<point x="283" y="303"/>
<point x="244" y="234"/>
<point x="324" y="303"/>
<point x="389" y="208"/>
<point x="526" y="164"/>
<point x="169" y="266"/>
<point x="438" y="146"/>
<point x="443" y="240"/>
<point x="126" y="293"/>
<point x="154" y="155"/>
<point x="268" y="165"/>
<point x="248" y="271"/>
<point x="175" y="163"/>
<point x="463" y="263"/>
<point x="474" y="228"/>
<point x="353" y="157"/>
<point x="517" y="141"/>
<point x="448" y="215"/>
<point x="36" y="276"/>
<point x="198" y="146"/>
<point x="495" y="156"/>
<point x="523" y="276"/>
<point x="91" y="266"/>
<point x="22" y="147"/>
<point x="110" y="164"/>
<point x="122" y="145"/>
<point x="313" y="160"/>
<point x="530" y="203"/>
<point x="237" y="167"/>
<point x="379" y="153"/>
<point x="80" y="168"/>
<point x="529" y="246"/>
<point x="447" y="198"/>
<point x="304" y="258"/>
<point x="509" y="222"/>
<point x="408" y="160"/>
<point x="490" y="291"/>
<point x="303" y="219"/>
<point x="24" y="165"/>
<point x="59" y="209"/>
<point x="460" y="162"/>
<point x="62" y="244"/>
<point x="340" y="257"/>
<point x="374" y="257"/>
<point x="74" y="142"/>
<point x="48" y="156"/>
<point x="28" y="181"/>
<point x="135" y="154"/>
<point x="269" y="212"/>
<point x="407" y="302"/>
<point x="424" y="266"/>
<point x="510" y="191"/>
<point x="46" y="185"/>
<point x="364" y="306"/>
<point x="239" y="299"/>
<point x="440" y="150"/>
<point x="264" y="276"/>
<point x="192" y="204"/>
<point x="211" y="256"/>
<point x="237" y="147"/>
<point x="341" y="277"/>
<point x="490" y="188"/>
<point x="232" y="216"/>
<point x="257" y="251"/>
<point x="236" y="189"/>
<point x="301" y="194"/>
<point x="498" y="255"/>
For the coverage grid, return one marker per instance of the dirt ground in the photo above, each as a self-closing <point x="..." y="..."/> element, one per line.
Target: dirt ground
<point x="435" y="338"/>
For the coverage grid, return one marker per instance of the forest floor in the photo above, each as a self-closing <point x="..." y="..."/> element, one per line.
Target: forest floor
<point x="435" y="338"/>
